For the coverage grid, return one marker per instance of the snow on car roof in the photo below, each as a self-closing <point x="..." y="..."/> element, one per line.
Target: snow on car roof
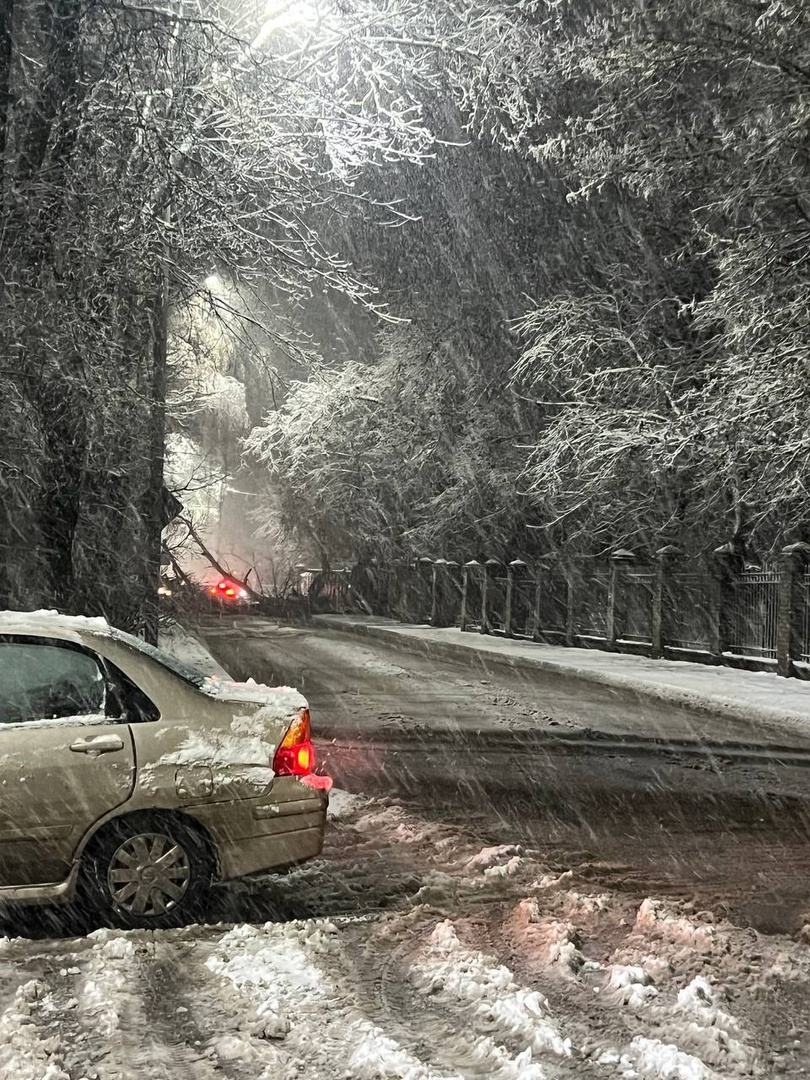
<point x="45" y="620"/>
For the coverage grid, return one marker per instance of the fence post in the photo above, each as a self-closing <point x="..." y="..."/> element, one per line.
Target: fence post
<point x="490" y="566"/>
<point x="727" y="564"/>
<point x="570" y="605"/>
<point x="468" y="569"/>
<point x="454" y="591"/>
<point x="441" y="585"/>
<point x="424" y="589"/>
<point x="539" y="569"/>
<point x="615" y="606"/>
<point x="516" y="566"/>
<point x="792" y="562"/>
<point x="434" y="592"/>
<point x="665" y="559"/>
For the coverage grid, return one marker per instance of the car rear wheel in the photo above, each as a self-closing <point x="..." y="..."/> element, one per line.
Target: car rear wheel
<point x="148" y="871"/>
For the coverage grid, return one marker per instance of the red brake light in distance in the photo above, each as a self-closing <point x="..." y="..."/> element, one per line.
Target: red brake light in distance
<point x="295" y="755"/>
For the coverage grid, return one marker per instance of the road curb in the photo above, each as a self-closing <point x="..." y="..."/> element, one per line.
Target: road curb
<point x="666" y="694"/>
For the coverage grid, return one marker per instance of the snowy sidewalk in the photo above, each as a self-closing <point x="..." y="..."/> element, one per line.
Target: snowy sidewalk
<point x="781" y="706"/>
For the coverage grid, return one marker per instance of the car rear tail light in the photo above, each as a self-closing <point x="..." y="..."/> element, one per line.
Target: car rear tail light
<point x="295" y="755"/>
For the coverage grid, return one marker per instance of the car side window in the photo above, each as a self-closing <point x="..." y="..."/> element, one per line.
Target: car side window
<point x="127" y="700"/>
<point x="48" y="682"/>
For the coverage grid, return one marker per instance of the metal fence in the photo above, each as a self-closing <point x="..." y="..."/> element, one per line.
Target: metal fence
<point x="715" y="609"/>
<point x="754" y="612"/>
<point x="550" y="614"/>
<point x="590" y="584"/>
<point x="688" y="601"/>
<point x="637" y="605"/>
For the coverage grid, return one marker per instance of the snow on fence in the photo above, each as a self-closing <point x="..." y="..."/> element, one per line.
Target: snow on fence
<point x="717" y="609"/>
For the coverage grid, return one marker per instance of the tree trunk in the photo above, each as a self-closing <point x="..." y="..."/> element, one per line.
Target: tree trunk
<point x="6" y="18"/>
<point x="157" y="437"/>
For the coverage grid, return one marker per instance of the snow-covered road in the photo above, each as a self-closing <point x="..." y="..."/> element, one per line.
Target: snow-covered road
<point x="490" y="908"/>
<point x="453" y="960"/>
<point x="546" y="770"/>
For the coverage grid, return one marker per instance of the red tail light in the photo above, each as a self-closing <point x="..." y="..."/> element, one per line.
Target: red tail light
<point x="295" y="755"/>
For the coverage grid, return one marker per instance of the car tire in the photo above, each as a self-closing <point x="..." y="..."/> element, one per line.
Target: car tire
<point x="147" y="871"/>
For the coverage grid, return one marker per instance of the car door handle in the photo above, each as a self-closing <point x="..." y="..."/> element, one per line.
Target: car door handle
<point x="98" y="744"/>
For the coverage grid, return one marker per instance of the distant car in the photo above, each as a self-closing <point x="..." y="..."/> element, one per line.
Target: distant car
<point x="229" y="592"/>
<point x="134" y="782"/>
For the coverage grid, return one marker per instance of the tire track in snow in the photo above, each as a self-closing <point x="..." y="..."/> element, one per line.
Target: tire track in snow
<point x="292" y="977"/>
<point x="133" y="1016"/>
<point x="433" y="1028"/>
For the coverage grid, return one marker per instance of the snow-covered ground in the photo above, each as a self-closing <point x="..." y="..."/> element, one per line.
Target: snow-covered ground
<point x="417" y="949"/>
<point x="489" y="963"/>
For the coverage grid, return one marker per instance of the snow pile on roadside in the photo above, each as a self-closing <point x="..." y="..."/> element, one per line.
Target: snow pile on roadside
<point x="24" y="1054"/>
<point x="384" y="820"/>
<point x="377" y="1056"/>
<point x="344" y="804"/>
<point x="107" y="977"/>
<point x="547" y="939"/>
<point x="656" y="1060"/>
<point x="630" y="986"/>
<point x="498" y="1004"/>
<point x="310" y="1015"/>
<point x="677" y="1019"/>
<point x="507" y="869"/>
<point x="553" y="881"/>
<point x="695" y="1035"/>
<point x="493" y="856"/>
<point x="655" y="919"/>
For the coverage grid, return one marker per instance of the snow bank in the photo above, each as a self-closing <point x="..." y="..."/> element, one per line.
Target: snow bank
<point x="658" y="1061"/>
<point x="344" y="804"/>
<point x="489" y="856"/>
<point x="654" y="918"/>
<point x="24" y="1053"/>
<point x="489" y="989"/>
<point x="553" y="881"/>
<point x="377" y="1057"/>
<point x="289" y="975"/>
<point x="105" y="985"/>
<point x="630" y="986"/>
<point x="507" y="869"/>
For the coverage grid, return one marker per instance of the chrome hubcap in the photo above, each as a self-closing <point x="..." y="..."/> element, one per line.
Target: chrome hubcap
<point x="148" y="874"/>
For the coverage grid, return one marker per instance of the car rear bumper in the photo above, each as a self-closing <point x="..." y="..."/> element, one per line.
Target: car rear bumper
<point x="261" y="834"/>
<point x="270" y="851"/>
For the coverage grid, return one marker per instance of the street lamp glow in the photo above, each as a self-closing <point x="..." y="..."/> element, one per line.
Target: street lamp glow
<point x="286" y="15"/>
